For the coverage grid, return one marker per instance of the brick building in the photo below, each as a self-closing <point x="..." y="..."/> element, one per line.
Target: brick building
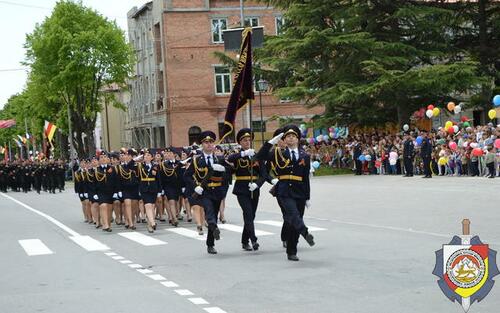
<point x="179" y="84"/>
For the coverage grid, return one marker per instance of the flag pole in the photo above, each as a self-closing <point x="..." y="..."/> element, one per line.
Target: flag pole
<point x="27" y="139"/>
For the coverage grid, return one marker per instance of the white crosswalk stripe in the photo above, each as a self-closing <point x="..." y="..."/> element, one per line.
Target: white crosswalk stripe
<point x="188" y="233"/>
<point x="89" y="243"/>
<point x="280" y="223"/>
<point x="34" y="247"/>
<point x="239" y="229"/>
<point x="142" y="239"/>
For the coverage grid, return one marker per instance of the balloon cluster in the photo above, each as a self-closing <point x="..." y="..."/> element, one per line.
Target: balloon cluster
<point x="333" y="133"/>
<point x="432" y="111"/>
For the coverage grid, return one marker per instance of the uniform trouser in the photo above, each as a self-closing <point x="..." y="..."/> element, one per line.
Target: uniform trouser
<point x="427" y="166"/>
<point x="491" y="169"/>
<point x="475" y="168"/>
<point x="60" y="181"/>
<point x="37" y="183"/>
<point x="358" y="167"/>
<point x="286" y="227"/>
<point x="408" y="163"/>
<point x="211" y="207"/>
<point x="249" y="206"/>
<point x="294" y="213"/>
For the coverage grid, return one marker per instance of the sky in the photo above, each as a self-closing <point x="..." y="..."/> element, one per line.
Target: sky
<point x="19" y="17"/>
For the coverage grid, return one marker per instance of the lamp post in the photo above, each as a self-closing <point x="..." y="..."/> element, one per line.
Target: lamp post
<point x="263" y="85"/>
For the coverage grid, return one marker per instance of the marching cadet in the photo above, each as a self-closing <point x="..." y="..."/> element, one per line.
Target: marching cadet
<point x="61" y="174"/>
<point x="183" y="202"/>
<point x="90" y="181"/>
<point x="52" y="176"/>
<point x="117" y="205"/>
<point x="205" y="176"/>
<point x="170" y="183"/>
<point x="160" y="203"/>
<point x="80" y="189"/>
<point x="105" y="177"/>
<point x="149" y="188"/>
<point x="408" y="155"/>
<point x="250" y="176"/>
<point x="292" y="188"/>
<point x="37" y="176"/>
<point x="127" y="174"/>
<point x="228" y="177"/>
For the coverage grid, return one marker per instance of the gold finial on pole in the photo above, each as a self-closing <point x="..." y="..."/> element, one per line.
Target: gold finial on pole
<point x="466" y="227"/>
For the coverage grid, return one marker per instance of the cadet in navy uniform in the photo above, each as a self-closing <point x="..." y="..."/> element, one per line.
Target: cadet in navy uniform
<point x="205" y="176"/>
<point x="127" y="173"/>
<point x="80" y="188"/>
<point x="105" y="176"/>
<point x="408" y="155"/>
<point x="293" y="188"/>
<point x="171" y="184"/>
<point x="149" y="187"/>
<point x="426" y="153"/>
<point x="250" y="175"/>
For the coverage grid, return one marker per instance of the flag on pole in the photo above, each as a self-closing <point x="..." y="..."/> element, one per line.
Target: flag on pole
<point x="49" y="130"/>
<point x="7" y="123"/>
<point x="243" y="84"/>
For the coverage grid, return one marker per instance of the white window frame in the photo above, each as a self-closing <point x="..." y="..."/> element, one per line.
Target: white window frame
<point x="221" y="38"/>
<point x="250" y="19"/>
<point x="222" y="75"/>
<point x="276" y="18"/>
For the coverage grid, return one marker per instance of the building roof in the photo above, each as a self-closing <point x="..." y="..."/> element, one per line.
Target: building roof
<point x="144" y="7"/>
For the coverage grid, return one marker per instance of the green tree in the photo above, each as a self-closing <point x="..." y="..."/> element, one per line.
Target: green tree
<point x="72" y="55"/>
<point x="368" y="61"/>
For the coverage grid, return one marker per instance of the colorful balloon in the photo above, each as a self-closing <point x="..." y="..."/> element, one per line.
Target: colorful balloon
<point x="477" y="152"/>
<point x="448" y="124"/>
<point x="429" y="113"/>
<point x="319" y="138"/>
<point x="464" y="118"/>
<point x="466" y="124"/>
<point x="315" y="165"/>
<point x="455" y="128"/>
<point x="451" y="130"/>
<point x="453" y="145"/>
<point x="451" y="106"/>
<point x="406" y="127"/>
<point x="368" y="157"/>
<point x="442" y="161"/>
<point x="419" y="140"/>
<point x="435" y="112"/>
<point x="497" y="143"/>
<point x="430" y="107"/>
<point x="492" y="114"/>
<point x="326" y="137"/>
<point x="457" y="109"/>
<point x="496" y="101"/>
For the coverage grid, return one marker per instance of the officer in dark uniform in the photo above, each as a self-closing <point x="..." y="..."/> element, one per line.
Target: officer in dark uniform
<point x="356" y="154"/>
<point x="205" y="176"/>
<point x="105" y="176"/>
<point x="37" y="176"/>
<point x="250" y="176"/>
<point x="90" y="180"/>
<point x="408" y="155"/>
<point x="149" y="187"/>
<point x="293" y="188"/>
<point x="129" y="181"/>
<point x="171" y="183"/>
<point x="80" y="189"/>
<point x="61" y="174"/>
<point x="3" y="176"/>
<point x="52" y="176"/>
<point x="426" y="154"/>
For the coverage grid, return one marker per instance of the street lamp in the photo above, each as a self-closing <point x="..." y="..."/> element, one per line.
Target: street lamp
<point x="263" y="85"/>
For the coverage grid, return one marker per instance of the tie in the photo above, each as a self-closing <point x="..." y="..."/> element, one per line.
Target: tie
<point x="208" y="161"/>
<point x="294" y="158"/>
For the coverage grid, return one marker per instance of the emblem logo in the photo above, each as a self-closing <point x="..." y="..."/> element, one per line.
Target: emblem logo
<point x="466" y="268"/>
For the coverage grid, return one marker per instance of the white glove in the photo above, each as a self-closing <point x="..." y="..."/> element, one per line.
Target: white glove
<point x="120" y="194"/>
<point x="183" y="189"/>
<point x="274" y="181"/>
<point x="86" y="195"/>
<point x="115" y="195"/>
<point x="80" y="195"/>
<point x="158" y="195"/>
<point x="96" y="197"/>
<point x="163" y="192"/>
<point x="308" y="204"/>
<point x="218" y="168"/>
<point x="185" y="161"/>
<point x="248" y="153"/>
<point x="252" y="186"/>
<point x="276" y="139"/>
<point x="198" y="190"/>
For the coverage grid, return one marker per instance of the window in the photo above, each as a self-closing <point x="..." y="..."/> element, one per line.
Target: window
<point x="222" y="80"/>
<point x="218" y="25"/>
<point x="280" y="21"/>
<point x="257" y="128"/>
<point x="194" y="134"/>
<point x="251" y="21"/>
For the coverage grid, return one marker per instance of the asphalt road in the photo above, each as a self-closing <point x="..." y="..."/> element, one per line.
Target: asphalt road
<point x="374" y="252"/>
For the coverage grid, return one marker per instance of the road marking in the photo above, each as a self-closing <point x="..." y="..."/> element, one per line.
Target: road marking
<point x="157" y="277"/>
<point x="183" y="292"/>
<point x="169" y="284"/>
<point x="118" y="258"/>
<point x="280" y="224"/>
<point x="187" y="233"/>
<point x="239" y="229"/>
<point x="110" y="253"/>
<point x="135" y="266"/>
<point x="46" y="216"/>
<point x="34" y="247"/>
<point x="88" y="243"/>
<point x="198" y="301"/>
<point x="214" y="310"/>
<point x="142" y="239"/>
<point x="126" y="262"/>
<point x="144" y="271"/>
